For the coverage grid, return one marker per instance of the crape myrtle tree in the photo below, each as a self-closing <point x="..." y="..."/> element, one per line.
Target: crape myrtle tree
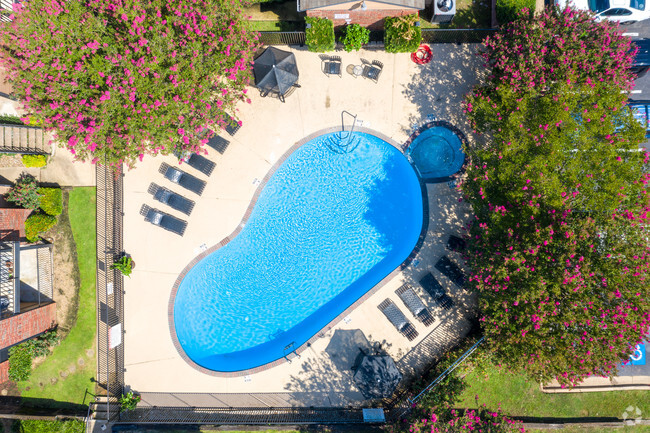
<point x="559" y="246"/>
<point x="116" y="80"/>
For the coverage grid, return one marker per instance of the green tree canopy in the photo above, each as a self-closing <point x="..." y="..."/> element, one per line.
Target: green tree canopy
<point x="559" y="249"/>
<point x="117" y="80"/>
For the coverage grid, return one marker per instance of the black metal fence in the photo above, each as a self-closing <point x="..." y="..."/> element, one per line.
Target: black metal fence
<point x="110" y="300"/>
<point x="430" y="36"/>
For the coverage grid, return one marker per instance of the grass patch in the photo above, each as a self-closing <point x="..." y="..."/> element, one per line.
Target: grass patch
<point x="42" y="426"/>
<point x="470" y="14"/>
<point x="522" y="397"/>
<point x="275" y="26"/>
<point x="80" y="215"/>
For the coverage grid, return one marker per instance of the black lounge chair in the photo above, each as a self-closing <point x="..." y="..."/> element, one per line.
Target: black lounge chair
<point x="398" y="319"/>
<point x="164" y="220"/>
<point x="433" y="287"/>
<point x="200" y="163"/>
<point x="455" y="243"/>
<point x="331" y="65"/>
<point x="415" y="304"/>
<point x="232" y="126"/>
<point x="218" y="143"/>
<point x="450" y="270"/>
<point x="171" y="199"/>
<point x="373" y="71"/>
<point x="183" y="179"/>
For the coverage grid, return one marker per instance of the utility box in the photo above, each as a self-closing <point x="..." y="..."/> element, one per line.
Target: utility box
<point x="443" y="11"/>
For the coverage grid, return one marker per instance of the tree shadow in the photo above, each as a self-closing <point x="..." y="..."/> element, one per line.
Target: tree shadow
<point x="439" y="87"/>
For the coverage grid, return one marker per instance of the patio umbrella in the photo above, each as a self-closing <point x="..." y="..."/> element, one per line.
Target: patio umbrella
<point x="275" y="71"/>
<point x="377" y="376"/>
<point x="345" y="346"/>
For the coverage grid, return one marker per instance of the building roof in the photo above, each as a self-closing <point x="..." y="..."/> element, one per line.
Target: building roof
<point x="304" y="5"/>
<point x="12" y="224"/>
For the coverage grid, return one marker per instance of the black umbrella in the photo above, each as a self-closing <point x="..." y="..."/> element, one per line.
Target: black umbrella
<point x="275" y="71"/>
<point x="377" y="376"/>
<point x="346" y="345"/>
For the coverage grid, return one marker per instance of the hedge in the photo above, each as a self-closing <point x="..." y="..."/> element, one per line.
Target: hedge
<point x="34" y="160"/>
<point x="320" y="36"/>
<point x="38" y="223"/>
<point x="507" y="10"/>
<point x="51" y="200"/>
<point x="20" y="362"/>
<point x="42" y="426"/>
<point x="402" y="35"/>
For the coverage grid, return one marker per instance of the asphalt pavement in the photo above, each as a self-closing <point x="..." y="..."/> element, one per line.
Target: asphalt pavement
<point x="638" y="30"/>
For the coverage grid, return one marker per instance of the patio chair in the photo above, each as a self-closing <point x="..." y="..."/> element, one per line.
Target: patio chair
<point x="232" y="126"/>
<point x="183" y="179"/>
<point x="331" y="65"/>
<point x="433" y="287"/>
<point x="218" y="143"/>
<point x="289" y="92"/>
<point x="171" y="199"/>
<point x="450" y="270"/>
<point x="373" y="71"/>
<point x="398" y="319"/>
<point x="200" y="163"/>
<point x="164" y="220"/>
<point x="455" y="243"/>
<point x="415" y="305"/>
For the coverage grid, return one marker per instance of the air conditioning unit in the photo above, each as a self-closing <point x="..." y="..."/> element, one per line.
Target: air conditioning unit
<point x="443" y="11"/>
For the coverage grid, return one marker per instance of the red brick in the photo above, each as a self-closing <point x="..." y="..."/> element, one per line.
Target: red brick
<point x="25" y="325"/>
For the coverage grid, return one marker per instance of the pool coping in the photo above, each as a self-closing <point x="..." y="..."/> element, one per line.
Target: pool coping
<point x="420" y="130"/>
<point x="238" y="229"/>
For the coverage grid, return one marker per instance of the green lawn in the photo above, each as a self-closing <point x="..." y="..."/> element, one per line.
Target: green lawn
<point x="522" y="397"/>
<point x="81" y="213"/>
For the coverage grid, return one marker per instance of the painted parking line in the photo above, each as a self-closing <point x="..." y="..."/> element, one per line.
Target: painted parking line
<point x="631" y="34"/>
<point x="636" y="91"/>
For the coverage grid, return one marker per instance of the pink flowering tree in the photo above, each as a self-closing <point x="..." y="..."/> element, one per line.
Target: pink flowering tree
<point x="559" y="246"/>
<point x="116" y="80"/>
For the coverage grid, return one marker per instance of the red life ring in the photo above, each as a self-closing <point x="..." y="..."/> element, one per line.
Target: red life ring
<point x="422" y="55"/>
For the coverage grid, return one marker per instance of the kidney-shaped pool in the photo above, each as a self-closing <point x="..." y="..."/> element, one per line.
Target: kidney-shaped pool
<point x="330" y="223"/>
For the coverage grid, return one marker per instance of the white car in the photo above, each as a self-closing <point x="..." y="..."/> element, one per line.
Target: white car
<point x="623" y="11"/>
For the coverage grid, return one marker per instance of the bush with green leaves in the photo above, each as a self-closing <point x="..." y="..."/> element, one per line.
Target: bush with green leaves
<point x="507" y="10"/>
<point x="10" y="119"/>
<point x="40" y="346"/>
<point x="137" y="78"/>
<point x="355" y="37"/>
<point x="124" y="265"/>
<point x="319" y="35"/>
<point x="51" y="201"/>
<point x="129" y="401"/>
<point x="20" y="362"/>
<point x="34" y="160"/>
<point x="402" y="35"/>
<point x="43" y="426"/>
<point x="24" y="193"/>
<point x="36" y="224"/>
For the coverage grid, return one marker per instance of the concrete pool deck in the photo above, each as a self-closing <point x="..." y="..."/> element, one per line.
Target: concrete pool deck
<point x="405" y="95"/>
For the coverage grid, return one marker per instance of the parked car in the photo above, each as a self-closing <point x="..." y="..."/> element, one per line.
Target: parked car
<point x="623" y="11"/>
<point x="641" y="64"/>
<point x="641" y="112"/>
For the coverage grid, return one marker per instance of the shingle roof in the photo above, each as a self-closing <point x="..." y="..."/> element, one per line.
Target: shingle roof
<point x="304" y="5"/>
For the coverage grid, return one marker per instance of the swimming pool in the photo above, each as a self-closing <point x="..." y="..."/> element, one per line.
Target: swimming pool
<point x="330" y="223"/>
<point x="437" y="152"/>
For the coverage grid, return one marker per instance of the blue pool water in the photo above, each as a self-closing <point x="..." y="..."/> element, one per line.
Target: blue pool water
<point x="437" y="153"/>
<point x="326" y="228"/>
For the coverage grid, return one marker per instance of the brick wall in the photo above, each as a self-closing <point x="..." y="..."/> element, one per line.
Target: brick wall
<point x="23" y="326"/>
<point x="12" y="224"/>
<point x="373" y="19"/>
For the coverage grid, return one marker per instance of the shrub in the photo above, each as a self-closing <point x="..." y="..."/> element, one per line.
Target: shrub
<point x="355" y="37"/>
<point x="34" y="160"/>
<point x="20" y="362"/>
<point x="25" y="192"/>
<point x="40" y="346"/>
<point x="124" y="265"/>
<point x="10" y="119"/>
<point x="320" y="36"/>
<point x="129" y="401"/>
<point x="51" y="200"/>
<point x="402" y="35"/>
<point x="507" y="10"/>
<point x="38" y="223"/>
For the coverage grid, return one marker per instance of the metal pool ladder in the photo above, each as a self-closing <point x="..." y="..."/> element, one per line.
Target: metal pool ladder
<point x="346" y="141"/>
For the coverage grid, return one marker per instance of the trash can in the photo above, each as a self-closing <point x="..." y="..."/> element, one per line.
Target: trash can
<point x="443" y="11"/>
